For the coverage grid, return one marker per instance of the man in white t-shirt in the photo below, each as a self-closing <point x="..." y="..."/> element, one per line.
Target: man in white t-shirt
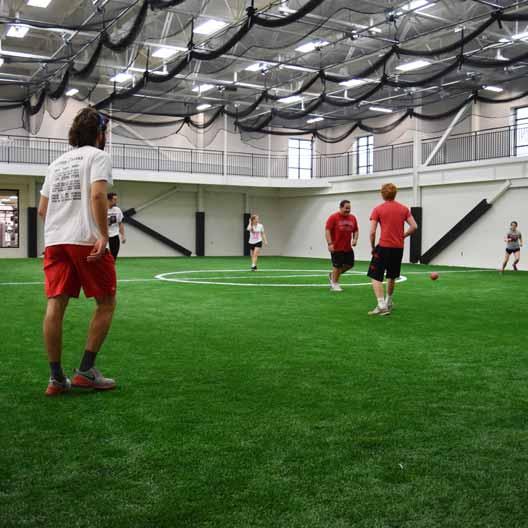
<point x="73" y="205"/>
<point x="116" y="228"/>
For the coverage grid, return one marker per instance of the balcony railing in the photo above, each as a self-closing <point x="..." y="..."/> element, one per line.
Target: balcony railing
<point x="480" y="145"/>
<point x="504" y="142"/>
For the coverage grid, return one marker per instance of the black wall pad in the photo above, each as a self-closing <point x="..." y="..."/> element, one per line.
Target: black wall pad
<point x="245" y="234"/>
<point x="154" y="234"/>
<point x="200" y="234"/>
<point x="32" y="232"/>
<point x="479" y="210"/>
<point x="416" y="237"/>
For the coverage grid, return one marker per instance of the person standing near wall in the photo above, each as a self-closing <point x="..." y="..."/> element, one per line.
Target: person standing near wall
<point x="257" y="236"/>
<point x="514" y="243"/>
<point x="388" y="253"/>
<point x="74" y="207"/>
<point x="116" y="228"/>
<point x="341" y="234"/>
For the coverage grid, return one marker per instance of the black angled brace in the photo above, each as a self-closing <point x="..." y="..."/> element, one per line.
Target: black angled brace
<point x="129" y="213"/>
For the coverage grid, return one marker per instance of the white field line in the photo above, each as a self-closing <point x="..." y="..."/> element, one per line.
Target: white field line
<point x="250" y="274"/>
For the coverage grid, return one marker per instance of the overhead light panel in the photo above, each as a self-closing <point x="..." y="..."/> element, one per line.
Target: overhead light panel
<point x="376" y="30"/>
<point x="520" y="36"/>
<point x="489" y="88"/>
<point x="210" y="27"/>
<point x="260" y="66"/>
<point x="203" y="107"/>
<point x="1" y="62"/>
<point x="121" y="77"/>
<point x="71" y="92"/>
<point x="297" y="68"/>
<point x="381" y="109"/>
<point x="352" y="83"/>
<point x="203" y="88"/>
<point x="18" y="31"/>
<point x="291" y="99"/>
<point x="39" y="3"/>
<point x="312" y="46"/>
<point x="166" y="52"/>
<point x="417" y="5"/>
<point x="414" y="65"/>
<point x="315" y="120"/>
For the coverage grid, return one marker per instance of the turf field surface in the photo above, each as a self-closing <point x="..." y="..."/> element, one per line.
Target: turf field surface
<point x="271" y="406"/>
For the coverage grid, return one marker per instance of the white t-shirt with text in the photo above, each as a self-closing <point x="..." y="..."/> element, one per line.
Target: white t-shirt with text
<point x="255" y="233"/>
<point x="69" y="218"/>
<point x="115" y="217"/>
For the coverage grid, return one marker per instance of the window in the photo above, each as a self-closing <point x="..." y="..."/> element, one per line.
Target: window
<point x="8" y="219"/>
<point x="521" y="131"/>
<point x="299" y="159"/>
<point x="364" y="154"/>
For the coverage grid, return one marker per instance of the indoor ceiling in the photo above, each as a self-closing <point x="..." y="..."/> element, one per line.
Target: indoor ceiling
<point x="341" y="38"/>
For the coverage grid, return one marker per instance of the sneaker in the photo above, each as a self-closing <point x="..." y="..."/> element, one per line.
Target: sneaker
<point x="336" y="287"/>
<point x="56" y="387"/>
<point x="379" y="311"/>
<point x="92" y="379"/>
<point x="253" y="268"/>
<point x="390" y="306"/>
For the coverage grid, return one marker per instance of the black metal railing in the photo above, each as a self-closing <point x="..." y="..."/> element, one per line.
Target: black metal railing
<point x="503" y="142"/>
<point x="473" y="146"/>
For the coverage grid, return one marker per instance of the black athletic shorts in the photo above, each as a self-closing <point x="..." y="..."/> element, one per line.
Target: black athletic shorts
<point x="257" y="245"/>
<point x="115" y="244"/>
<point x="385" y="260"/>
<point x="510" y="251"/>
<point x="343" y="258"/>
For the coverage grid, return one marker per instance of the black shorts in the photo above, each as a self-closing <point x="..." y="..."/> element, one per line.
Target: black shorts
<point x="385" y="260"/>
<point x="257" y="245"/>
<point x="343" y="258"/>
<point x="510" y="251"/>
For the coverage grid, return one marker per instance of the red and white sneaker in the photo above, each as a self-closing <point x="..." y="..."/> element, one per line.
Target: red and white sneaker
<point x="92" y="379"/>
<point x="56" y="387"/>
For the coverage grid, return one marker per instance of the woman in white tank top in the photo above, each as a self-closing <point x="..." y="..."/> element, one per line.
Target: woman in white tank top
<point x="256" y="237"/>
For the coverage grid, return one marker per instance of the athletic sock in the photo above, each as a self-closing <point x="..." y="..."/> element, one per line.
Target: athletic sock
<point x="87" y="361"/>
<point x="56" y="370"/>
<point x="381" y="302"/>
<point x="389" y="299"/>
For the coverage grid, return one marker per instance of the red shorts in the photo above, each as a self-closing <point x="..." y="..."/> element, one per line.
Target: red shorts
<point x="66" y="270"/>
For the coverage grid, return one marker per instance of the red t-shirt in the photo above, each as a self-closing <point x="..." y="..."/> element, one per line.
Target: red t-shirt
<point x="392" y="216"/>
<point x="341" y="229"/>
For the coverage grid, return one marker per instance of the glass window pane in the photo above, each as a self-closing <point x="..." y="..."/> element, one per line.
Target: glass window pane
<point x="9" y="233"/>
<point x="305" y="174"/>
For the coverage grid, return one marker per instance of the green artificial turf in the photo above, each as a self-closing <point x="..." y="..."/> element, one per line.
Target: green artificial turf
<point x="251" y="406"/>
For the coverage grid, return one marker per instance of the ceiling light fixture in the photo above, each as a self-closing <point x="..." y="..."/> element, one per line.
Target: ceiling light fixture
<point x="166" y="52"/>
<point x="312" y="46"/>
<point x="39" y="3"/>
<point x="496" y="89"/>
<point x="202" y="107"/>
<point x="260" y="66"/>
<point x="315" y="120"/>
<point x="520" y="36"/>
<point x="352" y="83"/>
<point x="1" y="62"/>
<point x="210" y="27"/>
<point x="71" y="92"/>
<point x="121" y="77"/>
<point x="417" y="5"/>
<point x="381" y="109"/>
<point x="297" y="68"/>
<point x="18" y="31"/>
<point x="291" y="99"/>
<point x="203" y="88"/>
<point x="414" y="65"/>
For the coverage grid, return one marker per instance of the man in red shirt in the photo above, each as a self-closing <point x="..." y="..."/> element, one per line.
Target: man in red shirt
<point x="387" y="255"/>
<point x="341" y="234"/>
